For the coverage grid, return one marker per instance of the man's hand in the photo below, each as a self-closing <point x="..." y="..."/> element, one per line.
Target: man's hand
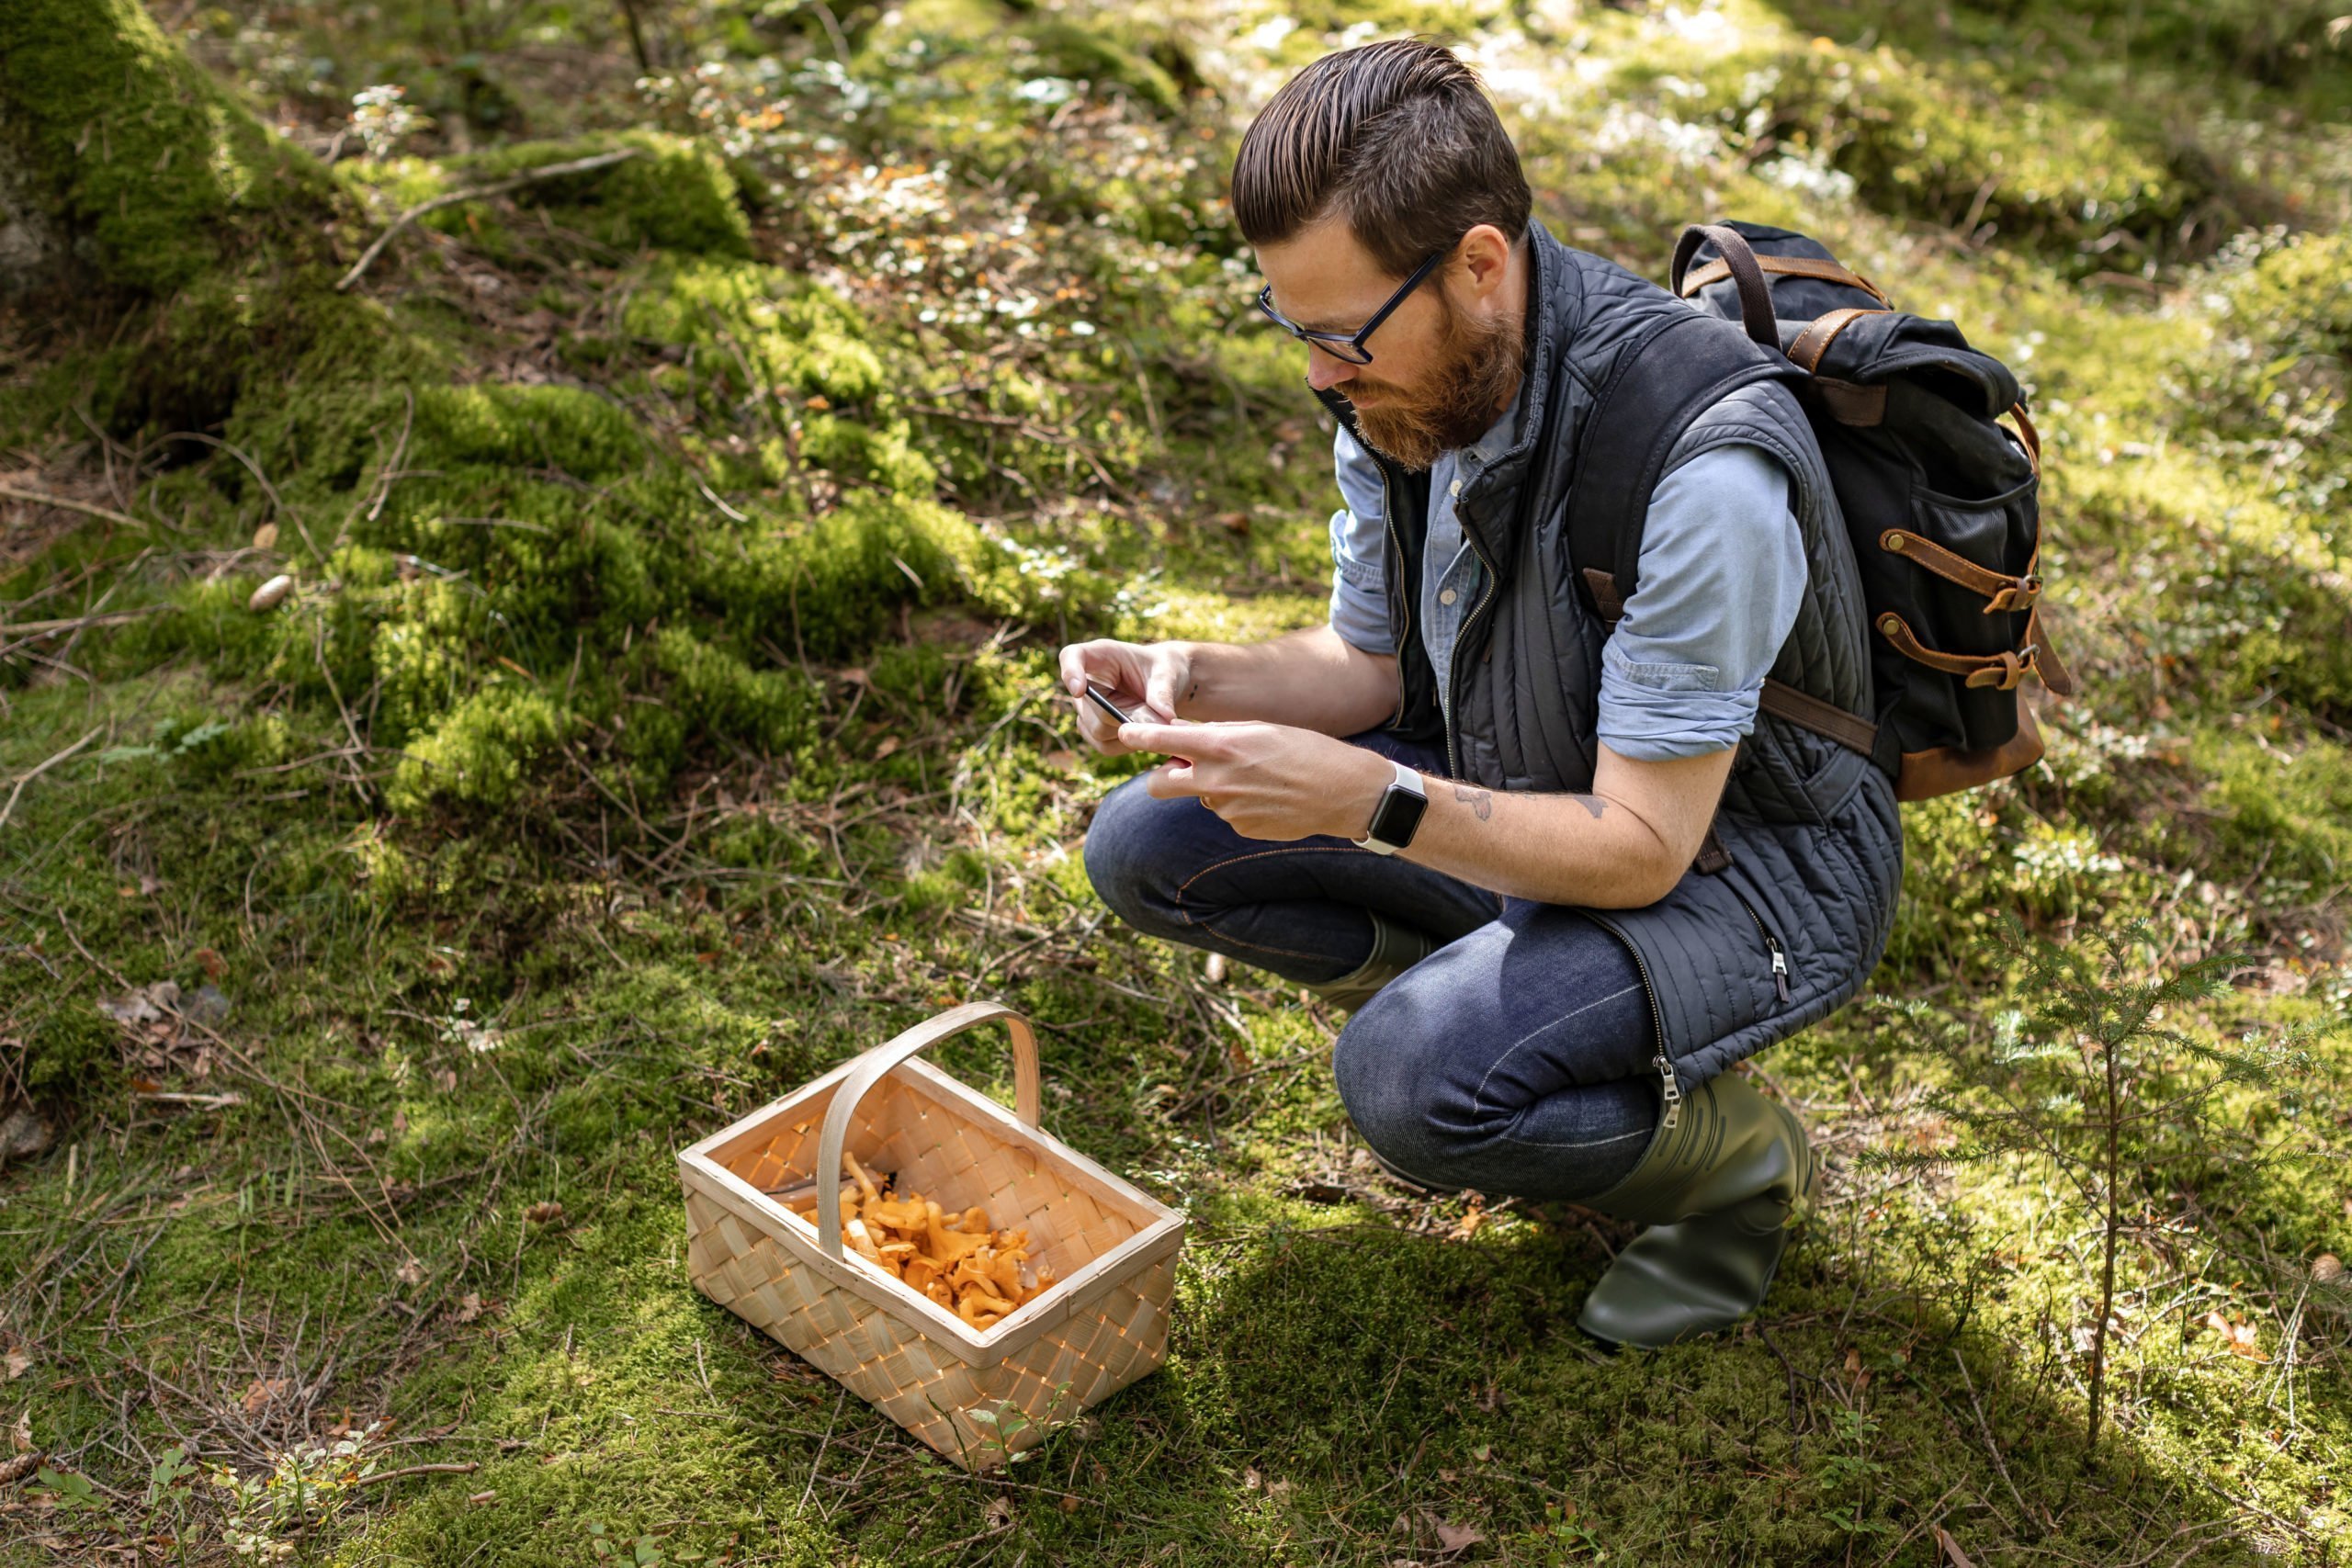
<point x="1142" y="678"/>
<point x="1267" y="781"/>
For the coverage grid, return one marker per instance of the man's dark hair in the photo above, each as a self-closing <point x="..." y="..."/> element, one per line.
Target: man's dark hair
<point x="1395" y="137"/>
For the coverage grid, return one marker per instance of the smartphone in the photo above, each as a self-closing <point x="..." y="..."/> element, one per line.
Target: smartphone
<point x="1103" y="702"/>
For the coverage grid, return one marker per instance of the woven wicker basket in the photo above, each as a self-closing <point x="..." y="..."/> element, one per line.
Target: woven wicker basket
<point x="978" y="1397"/>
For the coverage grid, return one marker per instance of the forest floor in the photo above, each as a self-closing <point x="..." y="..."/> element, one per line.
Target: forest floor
<point x="664" y="710"/>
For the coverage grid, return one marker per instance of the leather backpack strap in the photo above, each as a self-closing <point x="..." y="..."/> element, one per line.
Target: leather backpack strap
<point x="1825" y="719"/>
<point x="1786" y="266"/>
<point x="1814" y="341"/>
<point x="1739" y="261"/>
<point x="1998" y="591"/>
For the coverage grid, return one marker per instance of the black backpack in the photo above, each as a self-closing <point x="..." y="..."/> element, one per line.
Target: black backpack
<point x="1939" y="498"/>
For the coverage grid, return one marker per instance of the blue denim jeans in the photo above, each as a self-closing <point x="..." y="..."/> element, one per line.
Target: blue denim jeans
<point x="1514" y="1059"/>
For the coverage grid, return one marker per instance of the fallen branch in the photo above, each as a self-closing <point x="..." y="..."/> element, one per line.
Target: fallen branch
<point x="496" y="188"/>
<point x="196" y="1101"/>
<point x="41" y="498"/>
<point x="7" y="810"/>
<point x="75" y="622"/>
<point x="467" y="1468"/>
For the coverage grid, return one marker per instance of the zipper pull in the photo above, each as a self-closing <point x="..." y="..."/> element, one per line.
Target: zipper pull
<point x="1780" y="966"/>
<point x="1673" y="1093"/>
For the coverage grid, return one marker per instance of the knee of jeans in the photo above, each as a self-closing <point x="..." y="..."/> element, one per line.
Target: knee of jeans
<point x="1129" y="867"/>
<point x="1383" y="1085"/>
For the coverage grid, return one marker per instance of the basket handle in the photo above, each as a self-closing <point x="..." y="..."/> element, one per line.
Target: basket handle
<point x="869" y="1070"/>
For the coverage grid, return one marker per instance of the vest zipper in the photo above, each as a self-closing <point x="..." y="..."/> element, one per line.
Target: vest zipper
<point x="1454" y="668"/>
<point x="1395" y="578"/>
<point x="1771" y="945"/>
<point x="1667" y="1086"/>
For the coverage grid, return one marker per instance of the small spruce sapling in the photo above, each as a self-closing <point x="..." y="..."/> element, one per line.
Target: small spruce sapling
<point x="2092" y="1078"/>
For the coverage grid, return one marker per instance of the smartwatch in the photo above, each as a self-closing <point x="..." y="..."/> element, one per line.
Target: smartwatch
<point x="1398" y="814"/>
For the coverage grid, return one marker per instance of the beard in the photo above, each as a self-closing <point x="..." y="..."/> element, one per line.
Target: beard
<point x="1479" y="362"/>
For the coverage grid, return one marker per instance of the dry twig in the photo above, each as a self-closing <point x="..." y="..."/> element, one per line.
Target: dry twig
<point x="7" y="810"/>
<point x="477" y="193"/>
<point x="41" y="497"/>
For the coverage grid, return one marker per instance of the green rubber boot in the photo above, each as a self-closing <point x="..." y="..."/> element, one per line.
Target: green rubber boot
<point x="1394" y="949"/>
<point x="1717" y="1189"/>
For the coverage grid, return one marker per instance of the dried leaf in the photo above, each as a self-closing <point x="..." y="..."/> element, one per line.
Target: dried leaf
<point x="889" y="744"/>
<point x="410" y="1274"/>
<point x="446" y="1080"/>
<point x="1251" y="1480"/>
<point x="2243" y="1338"/>
<point x="20" y="1436"/>
<point x="262" y="1391"/>
<point x="18" y="1363"/>
<point x="469" y="1307"/>
<point x="1467" y="1225"/>
<point x="1458" y="1538"/>
<point x="998" y="1513"/>
<point x="23" y="1134"/>
<point x="148" y="1004"/>
<point x="266" y="536"/>
<point x="1062" y="760"/>
<point x="545" y="1214"/>
<point x="212" y="963"/>
<point x="2326" y="1269"/>
<point x="1954" y="1556"/>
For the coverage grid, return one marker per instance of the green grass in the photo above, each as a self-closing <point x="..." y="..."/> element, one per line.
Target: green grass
<point x="670" y="693"/>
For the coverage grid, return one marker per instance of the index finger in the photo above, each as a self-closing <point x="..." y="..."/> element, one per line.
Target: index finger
<point x="1144" y="736"/>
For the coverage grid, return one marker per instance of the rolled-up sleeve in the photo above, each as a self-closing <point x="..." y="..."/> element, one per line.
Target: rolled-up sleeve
<point x="1360" y="552"/>
<point x="1722" y="571"/>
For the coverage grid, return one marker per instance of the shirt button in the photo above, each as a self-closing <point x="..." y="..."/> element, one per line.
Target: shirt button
<point x="1453" y="489"/>
<point x="1446" y="596"/>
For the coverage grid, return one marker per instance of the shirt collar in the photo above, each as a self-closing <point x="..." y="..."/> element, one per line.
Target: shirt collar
<point x="1499" y="435"/>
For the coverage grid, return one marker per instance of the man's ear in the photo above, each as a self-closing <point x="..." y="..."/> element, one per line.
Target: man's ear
<point x="1486" y="256"/>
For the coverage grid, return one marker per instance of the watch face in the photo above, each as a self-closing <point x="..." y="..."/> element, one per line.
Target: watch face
<point x="1399" y="814"/>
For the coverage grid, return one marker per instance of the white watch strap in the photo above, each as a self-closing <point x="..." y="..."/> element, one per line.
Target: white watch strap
<point x="1406" y="779"/>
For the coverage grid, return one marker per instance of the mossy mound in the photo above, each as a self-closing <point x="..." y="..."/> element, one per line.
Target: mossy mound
<point x="673" y="195"/>
<point x="1948" y="144"/>
<point x="154" y="175"/>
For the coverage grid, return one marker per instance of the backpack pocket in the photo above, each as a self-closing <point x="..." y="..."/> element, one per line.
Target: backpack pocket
<point x="1958" y="591"/>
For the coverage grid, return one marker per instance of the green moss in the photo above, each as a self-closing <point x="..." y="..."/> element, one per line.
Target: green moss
<point x="626" y="627"/>
<point x="156" y="173"/>
<point x="674" y="194"/>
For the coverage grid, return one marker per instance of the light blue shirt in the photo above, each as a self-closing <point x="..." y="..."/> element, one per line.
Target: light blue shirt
<point x="1722" y="569"/>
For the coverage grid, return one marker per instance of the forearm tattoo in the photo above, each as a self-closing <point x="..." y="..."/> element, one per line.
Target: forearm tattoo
<point x="1476" y="799"/>
<point x="1590" y="803"/>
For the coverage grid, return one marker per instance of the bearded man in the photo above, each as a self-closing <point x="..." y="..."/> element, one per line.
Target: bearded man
<point x="1471" y="809"/>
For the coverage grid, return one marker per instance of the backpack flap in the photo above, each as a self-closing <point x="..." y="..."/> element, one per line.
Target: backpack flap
<point x="1806" y="280"/>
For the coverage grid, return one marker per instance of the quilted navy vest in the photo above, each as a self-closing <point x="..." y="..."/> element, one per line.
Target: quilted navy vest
<point x="1790" y="905"/>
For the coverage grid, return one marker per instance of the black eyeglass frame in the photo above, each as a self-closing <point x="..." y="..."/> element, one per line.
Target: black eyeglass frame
<point x="1334" y="343"/>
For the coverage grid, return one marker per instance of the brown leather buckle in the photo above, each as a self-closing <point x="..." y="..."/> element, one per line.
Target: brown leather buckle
<point x="2023" y="593"/>
<point x="2004" y="669"/>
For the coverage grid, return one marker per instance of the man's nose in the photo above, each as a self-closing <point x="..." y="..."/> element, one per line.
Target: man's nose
<point x="1327" y="370"/>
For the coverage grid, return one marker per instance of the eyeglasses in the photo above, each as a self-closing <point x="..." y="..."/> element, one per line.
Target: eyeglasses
<point x="1349" y="346"/>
